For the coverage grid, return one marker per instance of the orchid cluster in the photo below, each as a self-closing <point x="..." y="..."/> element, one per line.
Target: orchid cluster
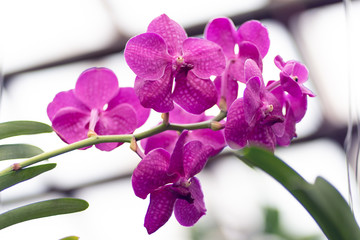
<point x="182" y="77"/>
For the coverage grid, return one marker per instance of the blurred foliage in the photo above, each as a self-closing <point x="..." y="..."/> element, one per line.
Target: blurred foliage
<point x="324" y="203"/>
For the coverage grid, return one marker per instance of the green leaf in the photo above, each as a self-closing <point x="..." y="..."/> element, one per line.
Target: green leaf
<point x="16" y="128"/>
<point x="16" y="151"/>
<point x="21" y="175"/>
<point x="324" y="203"/>
<point x="42" y="209"/>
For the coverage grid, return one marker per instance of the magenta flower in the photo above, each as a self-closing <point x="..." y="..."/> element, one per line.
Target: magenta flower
<point x="290" y="89"/>
<point x="250" y="41"/>
<point x="167" y="139"/>
<point x="165" y="52"/>
<point x="255" y="119"/>
<point x="96" y="105"/>
<point x="293" y="75"/>
<point x="169" y="179"/>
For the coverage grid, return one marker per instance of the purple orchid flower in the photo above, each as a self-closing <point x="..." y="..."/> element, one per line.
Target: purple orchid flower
<point x="167" y="139"/>
<point x="165" y="52"/>
<point x="249" y="41"/>
<point x="96" y="105"/>
<point x="292" y="76"/>
<point x="290" y="89"/>
<point x="169" y="179"/>
<point x="256" y="119"/>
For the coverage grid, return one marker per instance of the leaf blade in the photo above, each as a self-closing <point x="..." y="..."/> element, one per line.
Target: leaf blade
<point x="16" y="128"/>
<point x="17" y="151"/>
<point x="321" y="199"/>
<point x="21" y="175"/>
<point x="42" y="209"/>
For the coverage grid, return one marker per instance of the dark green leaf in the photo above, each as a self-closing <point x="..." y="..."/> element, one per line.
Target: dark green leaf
<point x="21" y="175"/>
<point x="16" y="151"/>
<point x="16" y="128"/>
<point x="42" y="209"/>
<point x="324" y="203"/>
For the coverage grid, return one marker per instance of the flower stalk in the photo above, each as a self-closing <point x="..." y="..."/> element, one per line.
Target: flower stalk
<point x="96" y="139"/>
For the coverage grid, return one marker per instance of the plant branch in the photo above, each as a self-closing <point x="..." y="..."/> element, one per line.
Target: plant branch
<point x="96" y="139"/>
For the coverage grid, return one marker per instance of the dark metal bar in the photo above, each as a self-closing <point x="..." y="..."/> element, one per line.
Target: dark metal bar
<point x="278" y="10"/>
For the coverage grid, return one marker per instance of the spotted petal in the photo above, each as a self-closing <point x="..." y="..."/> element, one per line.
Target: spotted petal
<point x="195" y="157"/>
<point x="252" y="101"/>
<point x="160" y="209"/>
<point x="96" y="87"/>
<point x="187" y="213"/>
<point x="71" y="124"/>
<point x="195" y="95"/>
<point x="119" y="120"/>
<point x="156" y="94"/>
<point x="173" y="34"/>
<point x="151" y="173"/>
<point x="206" y="57"/>
<point x="146" y="54"/>
<point x="236" y="128"/>
<point x="176" y="166"/>
<point x="262" y="136"/>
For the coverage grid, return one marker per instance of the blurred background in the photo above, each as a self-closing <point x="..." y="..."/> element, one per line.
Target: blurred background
<point x="45" y="45"/>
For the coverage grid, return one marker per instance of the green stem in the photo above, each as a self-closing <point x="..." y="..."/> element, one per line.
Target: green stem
<point x="111" y="138"/>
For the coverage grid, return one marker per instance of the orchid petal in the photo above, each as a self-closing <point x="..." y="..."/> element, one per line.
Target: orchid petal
<point x="173" y="34"/>
<point x="252" y="101"/>
<point x="195" y="95"/>
<point x="307" y="91"/>
<point x="176" y="165"/>
<point x="297" y="70"/>
<point x="165" y="140"/>
<point x="262" y="136"/>
<point x="146" y="54"/>
<point x="289" y="128"/>
<point x="71" y="124"/>
<point x="179" y="115"/>
<point x="127" y="95"/>
<point x="65" y="99"/>
<point x="223" y="32"/>
<point x="236" y="128"/>
<point x="279" y="62"/>
<point x="231" y="92"/>
<point x="160" y="209"/>
<point x="119" y="120"/>
<point x="156" y="94"/>
<point x="253" y="31"/>
<point x="251" y="70"/>
<point x="247" y="51"/>
<point x="96" y="87"/>
<point x="187" y="213"/>
<point x="298" y="106"/>
<point x="151" y="173"/>
<point x="206" y="57"/>
<point x="195" y="157"/>
<point x="215" y="139"/>
<point x="289" y="85"/>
